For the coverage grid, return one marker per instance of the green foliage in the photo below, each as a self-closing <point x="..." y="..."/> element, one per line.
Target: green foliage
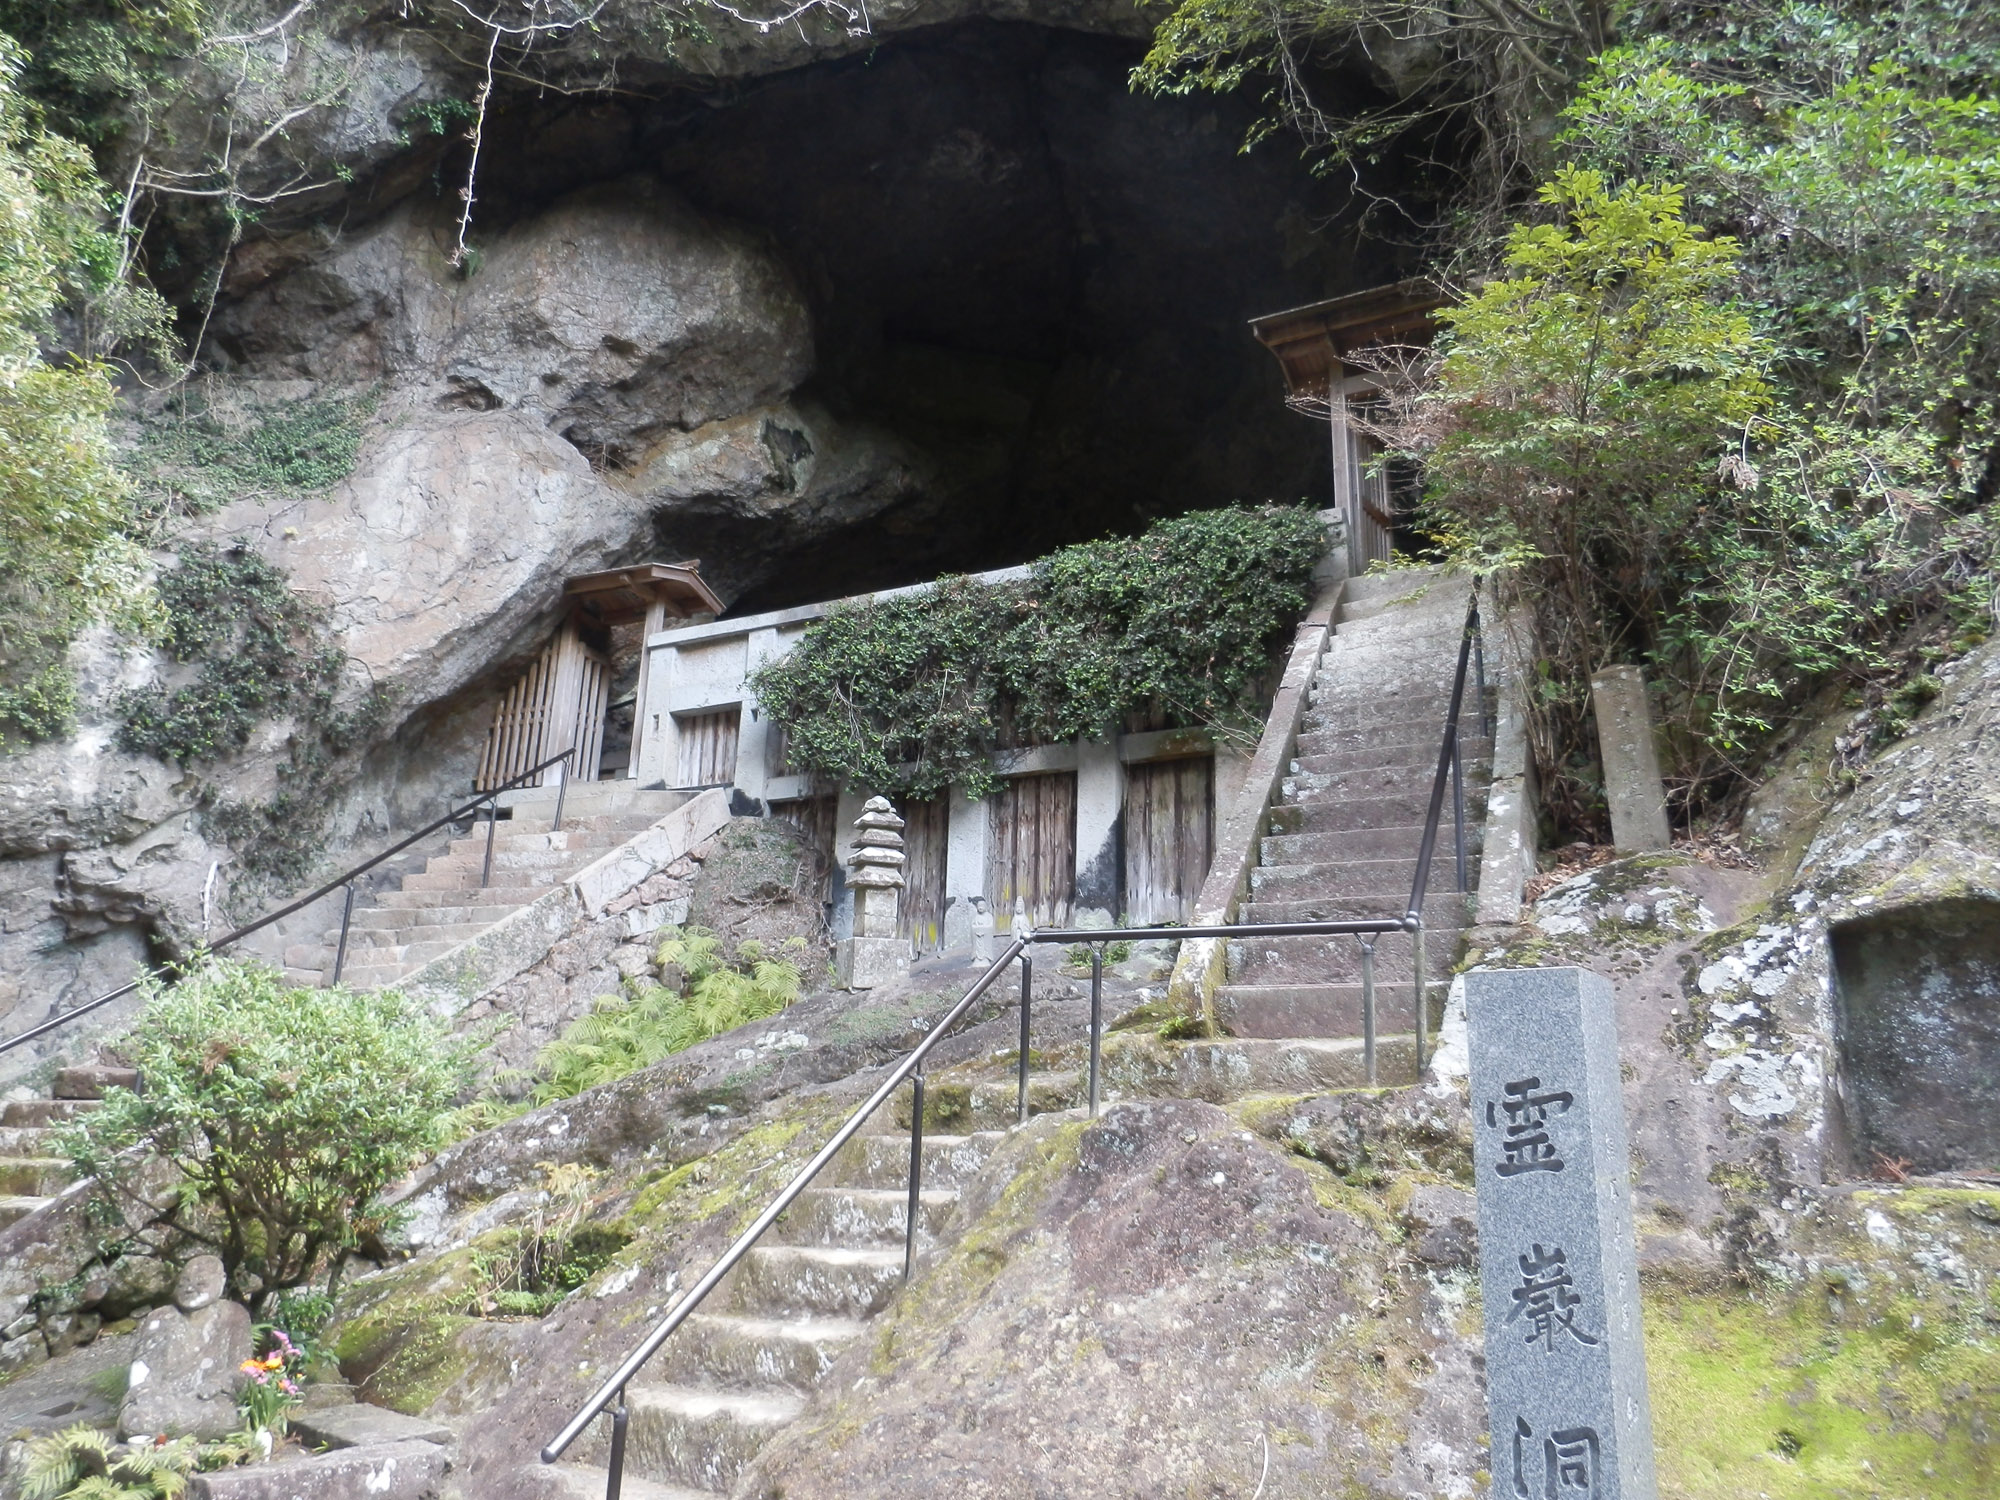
<point x="42" y="708"/>
<point x="911" y="695"/>
<point x="283" y="1113"/>
<point x="233" y="614"/>
<point x="536" y="1264"/>
<point x="208" y="452"/>
<point x="91" y="57"/>
<point x="650" y="1022"/>
<point x="63" y="502"/>
<point x="86" y="1463"/>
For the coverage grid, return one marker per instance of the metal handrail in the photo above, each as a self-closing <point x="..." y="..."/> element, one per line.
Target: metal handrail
<point x="610" y="1394"/>
<point x="1450" y="773"/>
<point x="910" y="1069"/>
<point x="487" y="798"/>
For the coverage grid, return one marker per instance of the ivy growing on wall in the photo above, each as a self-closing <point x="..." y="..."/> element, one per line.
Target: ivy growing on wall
<point x="257" y="654"/>
<point x="911" y="695"/>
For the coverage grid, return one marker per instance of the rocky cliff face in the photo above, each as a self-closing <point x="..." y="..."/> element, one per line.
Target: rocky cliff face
<point x="829" y="311"/>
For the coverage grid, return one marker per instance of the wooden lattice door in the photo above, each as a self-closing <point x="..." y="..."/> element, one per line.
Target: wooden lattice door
<point x="556" y="705"/>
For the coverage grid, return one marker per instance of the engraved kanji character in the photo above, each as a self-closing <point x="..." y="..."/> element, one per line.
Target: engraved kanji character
<point x="1547" y="1298"/>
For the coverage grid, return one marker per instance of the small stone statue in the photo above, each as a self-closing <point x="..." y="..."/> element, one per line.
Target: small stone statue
<point x="875" y="954"/>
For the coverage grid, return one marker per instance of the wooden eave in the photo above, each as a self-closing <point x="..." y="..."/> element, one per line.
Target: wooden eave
<point x="1311" y="342"/>
<point x="618" y="595"/>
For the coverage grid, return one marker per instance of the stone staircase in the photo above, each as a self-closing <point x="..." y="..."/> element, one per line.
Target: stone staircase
<point x="731" y="1379"/>
<point x="31" y="1170"/>
<point x="1343" y="841"/>
<point x="444" y="904"/>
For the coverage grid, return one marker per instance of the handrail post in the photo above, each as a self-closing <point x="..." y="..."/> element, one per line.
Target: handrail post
<point x="614" y="1482"/>
<point x="1479" y="670"/>
<point x="346" y="920"/>
<point x="562" y="791"/>
<point x="492" y="817"/>
<point x="1367" y="942"/>
<point x="916" y="1170"/>
<point x="1423" y="994"/>
<point x="1458" y="809"/>
<point x="1096" y="1021"/>
<point x="1027" y="990"/>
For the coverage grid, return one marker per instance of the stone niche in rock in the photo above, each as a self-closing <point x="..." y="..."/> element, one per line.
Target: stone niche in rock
<point x="1917" y="992"/>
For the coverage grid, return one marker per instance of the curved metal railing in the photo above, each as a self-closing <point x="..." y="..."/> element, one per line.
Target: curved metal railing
<point x="609" y="1397"/>
<point x="487" y="799"/>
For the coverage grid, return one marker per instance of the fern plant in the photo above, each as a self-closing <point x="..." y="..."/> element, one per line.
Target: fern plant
<point x="650" y="1022"/>
<point x="83" y="1463"/>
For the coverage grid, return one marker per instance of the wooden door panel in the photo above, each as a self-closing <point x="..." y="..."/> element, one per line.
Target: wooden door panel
<point x="1169" y="837"/>
<point x="1031" y="849"/>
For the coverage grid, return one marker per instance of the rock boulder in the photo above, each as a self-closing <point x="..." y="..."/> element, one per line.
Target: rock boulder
<point x="186" y="1372"/>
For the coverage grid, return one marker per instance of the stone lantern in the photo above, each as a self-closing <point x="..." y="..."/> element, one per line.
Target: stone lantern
<point x="875" y="954"/>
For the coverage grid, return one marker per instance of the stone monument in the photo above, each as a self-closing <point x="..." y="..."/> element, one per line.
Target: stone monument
<point x="1558" y="1264"/>
<point x="875" y="954"/>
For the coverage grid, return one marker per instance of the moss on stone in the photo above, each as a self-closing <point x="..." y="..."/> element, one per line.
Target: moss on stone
<point x="1817" y="1406"/>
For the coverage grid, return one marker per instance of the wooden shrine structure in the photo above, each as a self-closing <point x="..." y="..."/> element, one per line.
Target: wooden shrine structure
<point x="1313" y="346"/>
<point x="560" y="702"/>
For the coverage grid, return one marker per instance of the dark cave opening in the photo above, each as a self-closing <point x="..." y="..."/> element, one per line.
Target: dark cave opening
<point x="1035" y="277"/>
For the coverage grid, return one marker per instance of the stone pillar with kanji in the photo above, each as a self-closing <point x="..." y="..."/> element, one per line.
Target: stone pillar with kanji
<point x="876" y="953"/>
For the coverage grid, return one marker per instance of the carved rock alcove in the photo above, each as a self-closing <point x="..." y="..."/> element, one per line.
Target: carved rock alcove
<point x="1917" y="994"/>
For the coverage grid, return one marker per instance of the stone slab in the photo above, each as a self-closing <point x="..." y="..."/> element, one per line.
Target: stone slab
<point x="363" y="1426"/>
<point x="383" y="1471"/>
<point x="1558" y="1266"/>
<point x="1631" y="761"/>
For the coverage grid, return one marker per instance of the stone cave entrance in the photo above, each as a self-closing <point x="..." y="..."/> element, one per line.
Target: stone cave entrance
<point x="1917" y="997"/>
<point x="1035" y="278"/>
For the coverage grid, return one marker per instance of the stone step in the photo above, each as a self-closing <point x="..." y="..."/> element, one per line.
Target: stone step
<point x="1349" y="731"/>
<point x="421" y="931"/>
<point x="815" y="1281"/>
<point x="743" y="1353"/>
<point x="1388" y="584"/>
<point x="1395" y="840"/>
<point x="1444" y="910"/>
<point x="528" y="833"/>
<point x="519" y="886"/>
<point x="561" y="851"/>
<point x="464" y="903"/>
<point x="702" y="1438"/>
<point x="34" y="1176"/>
<point x="13" y="1210"/>
<point x="857" y="1216"/>
<point x="310" y="977"/>
<point x="589" y="799"/>
<point x="1224" y="1070"/>
<point x="1307" y="787"/>
<point x="389" y="953"/>
<point x="1333" y="960"/>
<point x="1405" y="809"/>
<point x="45" y="1111"/>
<point x="1423" y="753"/>
<point x="377" y="1471"/>
<point x="392" y="918"/>
<point x="1354" y="877"/>
<point x="1421" y="596"/>
<point x="1319" y="1010"/>
<point x="579" y="1482"/>
<point x="375" y="976"/>
<point x="26" y="1140"/>
<point x="986" y="1104"/>
<point x="92" y="1081"/>
<point x="1333" y="708"/>
<point x="883" y="1161"/>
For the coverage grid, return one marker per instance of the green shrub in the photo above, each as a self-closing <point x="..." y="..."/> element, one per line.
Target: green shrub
<point x="911" y="695"/>
<point x="284" y="1113"/>
<point x="651" y="1022"/>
